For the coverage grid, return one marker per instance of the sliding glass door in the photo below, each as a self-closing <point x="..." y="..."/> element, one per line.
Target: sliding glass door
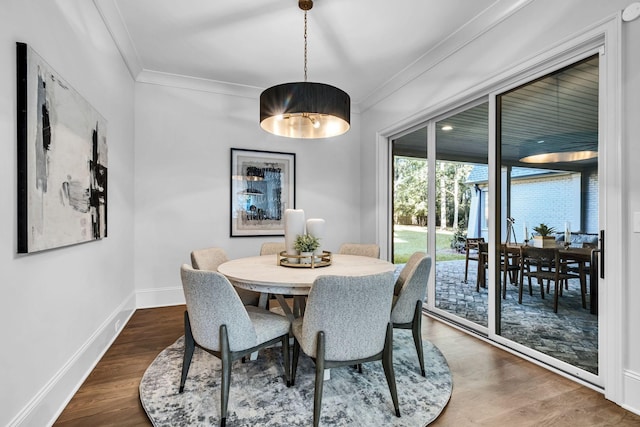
<point x="548" y="145"/>
<point x="456" y="213"/>
<point x="477" y="196"/>
<point x="410" y="199"/>
<point x="461" y="153"/>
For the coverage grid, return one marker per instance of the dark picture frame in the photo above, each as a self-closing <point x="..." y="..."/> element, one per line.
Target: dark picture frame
<point x="262" y="187"/>
<point x="61" y="160"/>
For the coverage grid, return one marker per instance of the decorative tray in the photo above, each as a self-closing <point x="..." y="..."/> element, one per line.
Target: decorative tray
<point x="304" y="261"/>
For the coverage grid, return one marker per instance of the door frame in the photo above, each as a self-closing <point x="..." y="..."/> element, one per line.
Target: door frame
<point x="604" y="37"/>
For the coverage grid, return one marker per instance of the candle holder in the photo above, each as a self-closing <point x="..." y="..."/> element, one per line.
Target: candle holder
<point x="304" y="261"/>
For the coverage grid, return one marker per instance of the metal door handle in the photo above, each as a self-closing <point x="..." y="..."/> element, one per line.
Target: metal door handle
<point x="601" y="254"/>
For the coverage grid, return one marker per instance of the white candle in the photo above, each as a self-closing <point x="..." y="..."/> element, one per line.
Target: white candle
<point x="567" y="232"/>
<point x="315" y="227"/>
<point x="293" y="226"/>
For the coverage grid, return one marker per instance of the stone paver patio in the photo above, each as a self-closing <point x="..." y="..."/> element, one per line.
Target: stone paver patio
<point x="571" y="335"/>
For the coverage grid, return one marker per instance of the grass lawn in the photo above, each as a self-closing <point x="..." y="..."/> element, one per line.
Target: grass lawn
<point x="408" y="239"/>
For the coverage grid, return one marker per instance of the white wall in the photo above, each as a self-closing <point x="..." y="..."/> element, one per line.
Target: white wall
<point x="59" y="308"/>
<point x="532" y="30"/>
<point x="183" y="143"/>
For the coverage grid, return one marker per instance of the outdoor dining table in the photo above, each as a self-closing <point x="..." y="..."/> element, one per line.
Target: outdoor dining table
<point x="264" y="274"/>
<point x="578" y="254"/>
<point x="584" y="256"/>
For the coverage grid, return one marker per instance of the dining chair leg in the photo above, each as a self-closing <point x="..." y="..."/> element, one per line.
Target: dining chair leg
<point x="541" y="283"/>
<point x="521" y="285"/>
<point x="583" y="284"/>
<point x="466" y="267"/>
<point x="416" y="329"/>
<point x="285" y="356"/>
<point x="504" y="283"/>
<point x="317" y="396"/>
<point x="226" y="374"/>
<point x="189" y="347"/>
<point x="294" y="362"/>
<point x="387" y="365"/>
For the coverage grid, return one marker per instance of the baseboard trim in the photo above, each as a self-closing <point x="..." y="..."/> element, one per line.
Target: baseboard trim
<point x="163" y="297"/>
<point x="47" y="405"/>
<point x="631" y="389"/>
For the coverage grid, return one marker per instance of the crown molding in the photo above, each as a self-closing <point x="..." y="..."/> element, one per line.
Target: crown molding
<point x="196" y="83"/>
<point x="112" y="18"/>
<point x="489" y="18"/>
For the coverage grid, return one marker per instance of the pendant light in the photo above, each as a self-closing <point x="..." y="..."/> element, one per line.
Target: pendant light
<point x="305" y="109"/>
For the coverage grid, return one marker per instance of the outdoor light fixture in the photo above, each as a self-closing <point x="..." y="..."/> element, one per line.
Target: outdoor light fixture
<point x="305" y="109"/>
<point x="559" y="148"/>
<point x="566" y="156"/>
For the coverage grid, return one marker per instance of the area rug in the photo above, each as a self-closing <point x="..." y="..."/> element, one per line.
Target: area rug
<point x="259" y="395"/>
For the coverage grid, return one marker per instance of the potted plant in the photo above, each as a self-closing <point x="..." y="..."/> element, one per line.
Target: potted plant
<point x="305" y="244"/>
<point x="544" y="239"/>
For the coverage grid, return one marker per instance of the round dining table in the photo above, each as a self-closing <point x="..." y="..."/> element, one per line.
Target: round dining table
<point x="263" y="274"/>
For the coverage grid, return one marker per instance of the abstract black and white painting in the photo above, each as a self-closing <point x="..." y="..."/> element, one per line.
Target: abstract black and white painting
<point x="62" y="160"/>
<point x="262" y="187"/>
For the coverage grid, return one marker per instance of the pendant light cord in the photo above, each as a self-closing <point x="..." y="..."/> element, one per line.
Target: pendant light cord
<point x="305" y="45"/>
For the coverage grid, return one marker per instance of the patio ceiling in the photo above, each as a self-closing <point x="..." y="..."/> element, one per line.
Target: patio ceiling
<point x="556" y="113"/>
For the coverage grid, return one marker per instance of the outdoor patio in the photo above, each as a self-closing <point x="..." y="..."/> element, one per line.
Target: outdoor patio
<point x="571" y="335"/>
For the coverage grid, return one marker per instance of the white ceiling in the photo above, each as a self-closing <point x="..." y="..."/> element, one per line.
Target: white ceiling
<point x="365" y="47"/>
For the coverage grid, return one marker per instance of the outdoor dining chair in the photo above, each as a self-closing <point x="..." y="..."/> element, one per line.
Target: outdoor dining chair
<point x="471" y="250"/>
<point x="544" y="264"/>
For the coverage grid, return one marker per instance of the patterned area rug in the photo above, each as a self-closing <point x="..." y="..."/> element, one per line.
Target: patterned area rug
<point x="259" y="395"/>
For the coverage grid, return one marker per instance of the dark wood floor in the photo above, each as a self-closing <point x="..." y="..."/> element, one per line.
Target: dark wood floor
<point x="490" y="387"/>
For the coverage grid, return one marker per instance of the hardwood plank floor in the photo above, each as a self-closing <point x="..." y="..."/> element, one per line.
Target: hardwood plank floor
<point x="490" y="387"/>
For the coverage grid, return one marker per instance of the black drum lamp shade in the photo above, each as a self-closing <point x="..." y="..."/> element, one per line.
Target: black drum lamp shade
<point x="305" y="110"/>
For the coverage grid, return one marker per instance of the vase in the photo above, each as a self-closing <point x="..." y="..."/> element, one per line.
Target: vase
<point x="307" y="257"/>
<point x="315" y="227"/>
<point x="294" y="225"/>
<point x="544" y="241"/>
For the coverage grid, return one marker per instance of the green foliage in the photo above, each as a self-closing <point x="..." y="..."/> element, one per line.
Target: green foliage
<point x="410" y="203"/>
<point x="410" y="189"/>
<point x="408" y="240"/>
<point x="458" y="239"/>
<point x="543" y="229"/>
<point x="306" y="243"/>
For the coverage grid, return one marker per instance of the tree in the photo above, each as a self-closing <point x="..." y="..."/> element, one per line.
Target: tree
<point x="410" y="192"/>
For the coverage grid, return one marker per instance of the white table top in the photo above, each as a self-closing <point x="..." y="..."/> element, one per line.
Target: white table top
<point x="263" y="274"/>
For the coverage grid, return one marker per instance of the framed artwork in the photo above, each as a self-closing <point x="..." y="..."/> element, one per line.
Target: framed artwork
<point x="62" y="160"/>
<point x="262" y="187"/>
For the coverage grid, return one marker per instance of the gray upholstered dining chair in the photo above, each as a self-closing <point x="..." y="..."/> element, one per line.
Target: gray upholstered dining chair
<point x="362" y="249"/>
<point x="218" y="322"/>
<point x="408" y="295"/>
<point x="210" y="259"/>
<point x="272" y="248"/>
<point x="346" y="322"/>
